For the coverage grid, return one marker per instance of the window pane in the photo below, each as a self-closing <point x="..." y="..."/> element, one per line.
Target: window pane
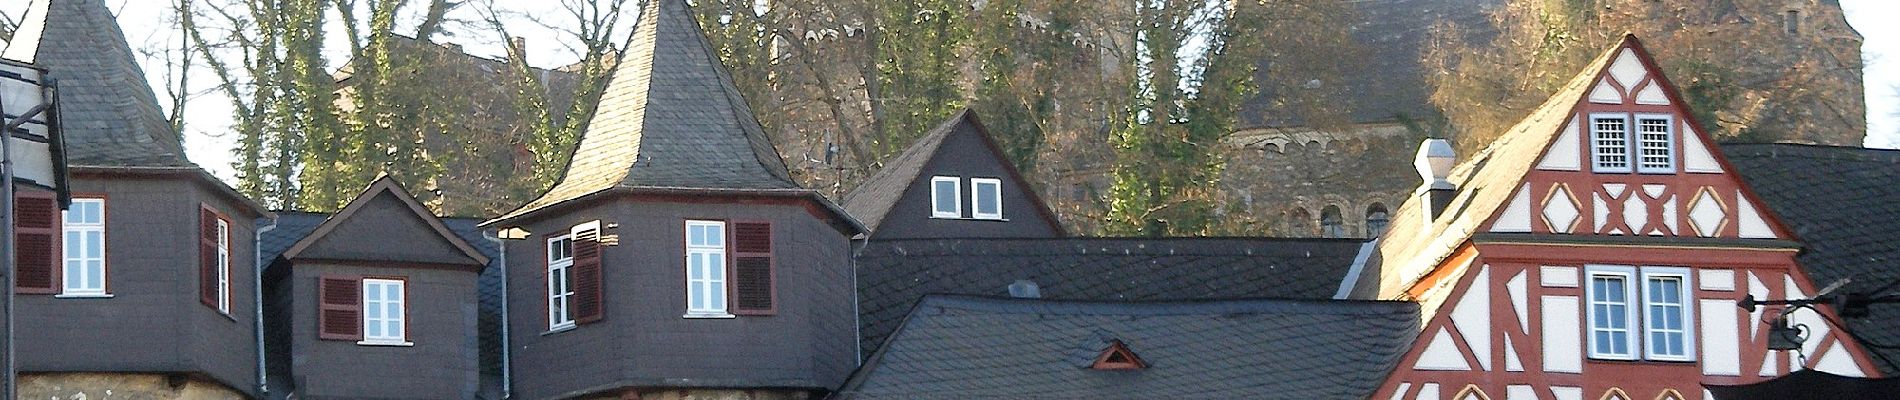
<point x="945" y="193"/>
<point x="1611" y="143"/>
<point x="95" y="244"/>
<point x="95" y="274"/>
<point x="1655" y="145"/>
<point x="987" y="197"/>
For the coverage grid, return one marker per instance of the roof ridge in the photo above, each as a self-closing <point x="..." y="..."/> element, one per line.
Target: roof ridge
<point x="1247" y="305"/>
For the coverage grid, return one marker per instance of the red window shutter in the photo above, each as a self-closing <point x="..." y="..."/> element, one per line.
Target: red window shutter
<point x="752" y="286"/>
<point x="339" y="308"/>
<point x="208" y="258"/>
<point x="586" y="273"/>
<point x="36" y="242"/>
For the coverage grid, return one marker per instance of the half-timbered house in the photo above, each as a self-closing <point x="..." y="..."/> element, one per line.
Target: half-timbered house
<point x="1596" y="251"/>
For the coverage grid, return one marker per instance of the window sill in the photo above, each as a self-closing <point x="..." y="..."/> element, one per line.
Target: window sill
<point x="83" y="296"/>
<point x="970" y="219"/>
<point x="559" y="329"/>
<point x="385" y="343"/>
<point x="708" y="316"/>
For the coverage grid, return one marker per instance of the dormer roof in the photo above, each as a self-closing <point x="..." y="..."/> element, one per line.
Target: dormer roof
<point x="385" y="213"/>
<point x="108" y="114"/>
<point x="670" y="118"/>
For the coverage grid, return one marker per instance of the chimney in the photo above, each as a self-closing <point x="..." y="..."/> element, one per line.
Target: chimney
<point x="1434" y="161"/>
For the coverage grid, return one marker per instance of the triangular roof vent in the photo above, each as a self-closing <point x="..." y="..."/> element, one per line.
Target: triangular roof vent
<point x="1117" y="356"/>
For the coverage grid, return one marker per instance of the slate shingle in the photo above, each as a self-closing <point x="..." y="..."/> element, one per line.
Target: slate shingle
<point x="894" y="274"/>
<point x="670" y="117"/>
<point x="959" y="347"/>
<point x="1844" y="204"/>
<point x="109" y="116"/>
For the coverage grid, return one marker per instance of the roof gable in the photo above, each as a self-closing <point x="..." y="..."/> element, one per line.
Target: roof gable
<point x="880" y="194"/>
<point x="384" y="214"/>
<point x="109" y="114"/>
<point x="1540" y="178"/>
<point x="670" y="117"/>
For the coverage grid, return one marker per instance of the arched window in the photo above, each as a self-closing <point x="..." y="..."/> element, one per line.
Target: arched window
<point x="1330" y="223"/>
<point x="1299" y="223"/>
<point x="1377" y="218"/>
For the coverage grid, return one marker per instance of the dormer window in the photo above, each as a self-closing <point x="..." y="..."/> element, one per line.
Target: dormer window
<point x="946" y="197"/>
<point x="1117" y="356"/>
<point x="986" y="198"/>
<point x="1651" y="151"/>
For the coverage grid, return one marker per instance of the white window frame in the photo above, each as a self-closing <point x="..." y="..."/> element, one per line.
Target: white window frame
<point x="1638" y="144"/>
<point x="399" y="319"/>
<point x="956" y="192"/>
<point x="1598" y="150"/>
<point x="74" y="234"/>
<point x="560" y="282"/>
<point x="711" y="283"/>
<point x="1685" y="299"/>
<point x="1630" y="308"/>
<point x="224" y="266"/>
<point x="976" y="201"/>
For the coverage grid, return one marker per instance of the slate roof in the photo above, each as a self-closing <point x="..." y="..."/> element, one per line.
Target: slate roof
<point x="108" y="114"/>
<point x="1844" y="202"/>
<point x="957" y="347"/>
<point x="871" y="200"/>
<point x="1411" y="246"/>
<point x="670" y="118"/>
<point x="1386" y="79"/>
<point x="894" y="274"/>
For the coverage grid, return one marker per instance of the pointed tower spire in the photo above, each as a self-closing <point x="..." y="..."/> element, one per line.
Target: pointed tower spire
<point x="108" y="114"/>
<point x="670" y="117"/>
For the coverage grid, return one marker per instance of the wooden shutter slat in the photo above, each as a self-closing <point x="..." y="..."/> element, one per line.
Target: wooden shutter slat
<point x="208" y="258"/>
<point x="586" y="273"/>
<point x="751" y="279"/>
<point x="36" y="243"/>
<point x="339" y="308"/>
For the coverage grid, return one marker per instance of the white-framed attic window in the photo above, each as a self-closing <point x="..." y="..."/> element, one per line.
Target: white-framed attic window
<point x="986" y="198"/>
<point x="1655" y="144"/>
<point x="706" y="269"/>
<point x="946" y="197"/>
<point x="1609" y="142"/>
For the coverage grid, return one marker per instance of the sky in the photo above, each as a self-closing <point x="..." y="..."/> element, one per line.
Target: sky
<point x="146" y="24"/>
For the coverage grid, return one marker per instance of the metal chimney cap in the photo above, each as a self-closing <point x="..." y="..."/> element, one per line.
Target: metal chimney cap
<point x="1434" y="161"/>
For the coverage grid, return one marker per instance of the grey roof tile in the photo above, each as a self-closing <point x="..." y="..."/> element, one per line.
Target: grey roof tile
<point x="1841" y="201"/>
<point x="894" y="274"/>
<point x="108" y="114"/>
<point x="972" y="347"/>
<point x="670" y="117"/>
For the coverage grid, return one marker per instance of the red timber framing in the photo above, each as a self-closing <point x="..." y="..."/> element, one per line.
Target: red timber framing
<point x="1508" y="310"/>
